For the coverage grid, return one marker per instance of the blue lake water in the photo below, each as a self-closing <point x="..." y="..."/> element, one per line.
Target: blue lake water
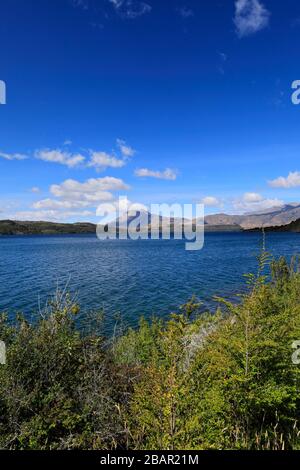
<point x="133" y="278"/>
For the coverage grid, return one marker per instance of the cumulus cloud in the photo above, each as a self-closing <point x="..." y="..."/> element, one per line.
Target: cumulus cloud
<point x="252" y="197"/>
<point x="73" y="198"/>
<point x="108" y="183"/>
<point x="92" y="158"/>
<point x="123" y="205"/>
<point x="211" y="201"/>
<point x="92" y="190"/>
<point x="250" y="16"/>
<point x="13" y="156"/>
<point x="167" y="174"/>
<point x="131" y="8"/>
<point x="254" y="202"/>
<point x="119" y="210"/>
<point x="125" y="149"/>
<point x="291" y="181"/>
<point x="61" y="157"/>
<point x="102" y="160"/>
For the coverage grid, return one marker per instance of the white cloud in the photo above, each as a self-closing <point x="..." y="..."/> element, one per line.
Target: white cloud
<point x="126" y="150"/>
<point x="125" y="205"/>
<point x="86" y="159"/>
<point x="211" y="201"/>
<point x="92" y="190"/>
<point x="35" y="189"/>
<point x="167" y="174"/>
<point x="108" y="183"/>
<point x="61" y="157"/>
<point x="252" y="197"/>
<point x="250" y="16"/>
<point x="117" y="210"/>
<point x="97" y="159"/>
<point x="102" y="160"/>
<point x="73" y="198"/>
<point x="13" y="156"/>
<point x="291" y="181"/>
<point x="53" y="204"/>
<point x="252" y="202"/>
<point x="131" y="8"/>
<point x="49" y="215"/>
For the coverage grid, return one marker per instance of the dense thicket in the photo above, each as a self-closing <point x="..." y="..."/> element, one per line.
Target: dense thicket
<point x="221" y="381"/>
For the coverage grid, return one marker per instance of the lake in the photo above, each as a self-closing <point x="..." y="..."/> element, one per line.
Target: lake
<point x="134" y="278"/>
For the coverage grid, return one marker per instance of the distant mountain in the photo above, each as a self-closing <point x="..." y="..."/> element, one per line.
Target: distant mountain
<point x="275" y="216"/>
<point x="147" y="221"/>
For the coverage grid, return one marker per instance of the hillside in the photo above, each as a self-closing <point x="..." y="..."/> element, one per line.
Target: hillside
<point x="10" y="227"/>
<point x="292" y="227"/>
<point x="275" y="216"/>
<point x="223" y="228"/>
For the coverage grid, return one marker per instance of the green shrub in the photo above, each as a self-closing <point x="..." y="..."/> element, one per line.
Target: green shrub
<point x="58" y="389"/>
<point x="195" y="381"/>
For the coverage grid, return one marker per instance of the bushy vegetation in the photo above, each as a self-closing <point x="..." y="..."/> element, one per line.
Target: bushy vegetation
<point x="221" y="381"/>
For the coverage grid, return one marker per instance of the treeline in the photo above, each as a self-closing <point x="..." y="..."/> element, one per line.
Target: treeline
<point x="12" y="227"/>
<point x="221" y="381"/>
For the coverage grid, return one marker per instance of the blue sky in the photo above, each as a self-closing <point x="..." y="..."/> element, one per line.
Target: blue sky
<point x="160" y="100"/>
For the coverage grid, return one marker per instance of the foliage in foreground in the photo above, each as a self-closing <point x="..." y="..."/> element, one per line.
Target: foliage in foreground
<point x="222" y="381"/>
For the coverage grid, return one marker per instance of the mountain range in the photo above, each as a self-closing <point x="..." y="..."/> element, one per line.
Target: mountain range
<point x="276" y="218"/>
<point x="273" y="217"/>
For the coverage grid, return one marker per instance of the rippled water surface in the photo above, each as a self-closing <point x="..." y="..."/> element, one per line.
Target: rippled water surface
<point x="131" y="277"/>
